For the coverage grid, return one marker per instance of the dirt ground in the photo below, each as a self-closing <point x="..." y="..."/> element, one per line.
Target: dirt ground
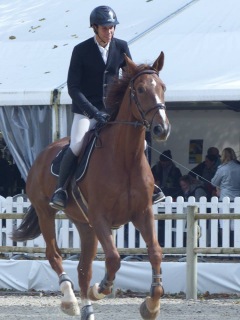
<point x="14" y="307"/>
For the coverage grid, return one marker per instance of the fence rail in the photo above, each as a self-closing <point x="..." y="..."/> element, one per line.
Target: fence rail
<point x="170" y="222"/>
<point x="189" y="228"/>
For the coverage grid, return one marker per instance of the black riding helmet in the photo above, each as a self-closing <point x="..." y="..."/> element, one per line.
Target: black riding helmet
<point x="103" y="16"/>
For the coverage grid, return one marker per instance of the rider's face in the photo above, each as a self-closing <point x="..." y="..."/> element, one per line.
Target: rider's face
<point x="105" y="33"/>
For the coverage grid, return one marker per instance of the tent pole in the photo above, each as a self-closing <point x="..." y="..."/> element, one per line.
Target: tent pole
<point x="55" y="114"/>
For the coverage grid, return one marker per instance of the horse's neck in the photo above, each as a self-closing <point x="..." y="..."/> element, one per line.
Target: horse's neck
<point x="129" y="137"/>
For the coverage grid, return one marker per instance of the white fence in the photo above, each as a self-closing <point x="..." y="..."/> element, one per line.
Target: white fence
<point x="171" y="231"/>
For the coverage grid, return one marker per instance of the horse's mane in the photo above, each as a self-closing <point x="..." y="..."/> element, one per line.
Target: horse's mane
<point x="118" y="88"/>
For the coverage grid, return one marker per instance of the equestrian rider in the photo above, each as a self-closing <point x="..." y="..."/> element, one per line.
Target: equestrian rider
<point x="87" y="85"/>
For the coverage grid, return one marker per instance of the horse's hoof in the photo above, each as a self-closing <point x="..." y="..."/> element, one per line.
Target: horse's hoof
<point x="70" y="308"/>
<point x="93" y="293"/>
<point x="87" y="313"/>
<point x="146" y="314"/>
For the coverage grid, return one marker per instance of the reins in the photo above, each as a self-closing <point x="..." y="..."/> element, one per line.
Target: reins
<point x="131" y="123"/>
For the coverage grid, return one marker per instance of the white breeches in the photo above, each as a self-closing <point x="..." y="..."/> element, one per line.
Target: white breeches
<point x="81" y="124"/>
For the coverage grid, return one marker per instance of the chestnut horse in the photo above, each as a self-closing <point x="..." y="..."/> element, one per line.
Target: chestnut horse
<point x="117" y="189"/>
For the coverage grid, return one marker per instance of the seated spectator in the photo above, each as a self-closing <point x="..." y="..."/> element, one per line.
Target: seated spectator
<point x="212" y="154"/>
<point x="192" y="187"/>
<point x="166" y="175"/>
<point x="206" y="170"/>
<point x="227" y="181"/>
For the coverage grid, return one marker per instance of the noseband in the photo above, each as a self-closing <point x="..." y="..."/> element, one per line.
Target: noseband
<point x="133" y="96"/>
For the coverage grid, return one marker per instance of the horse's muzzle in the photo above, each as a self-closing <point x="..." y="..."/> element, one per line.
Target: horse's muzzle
<point x="160" y="132"/>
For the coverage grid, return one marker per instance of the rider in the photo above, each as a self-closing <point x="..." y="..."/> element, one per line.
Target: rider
<point x="93" y="65"/>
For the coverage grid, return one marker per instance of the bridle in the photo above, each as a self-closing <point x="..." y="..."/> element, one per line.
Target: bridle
<point x="133" y="96"/>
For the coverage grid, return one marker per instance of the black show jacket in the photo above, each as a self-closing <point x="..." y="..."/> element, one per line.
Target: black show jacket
<point x="89" y="76"/>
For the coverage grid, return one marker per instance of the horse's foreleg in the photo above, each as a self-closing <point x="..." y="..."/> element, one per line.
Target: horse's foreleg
<point x="46" y="218"/>
<point x="112" y="262"/>
<point x="150" y="308"/>
<point x="89" y="244"/>
<point x="69" y="303"/>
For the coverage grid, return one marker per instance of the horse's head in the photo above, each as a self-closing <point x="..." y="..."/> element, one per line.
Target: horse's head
<point x="147" y="95"/>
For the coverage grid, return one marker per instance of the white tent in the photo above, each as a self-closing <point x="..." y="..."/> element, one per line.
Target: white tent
<point x="202" y="50"/>
<point x="37" y="38"/>
<point x="200" y="39"/>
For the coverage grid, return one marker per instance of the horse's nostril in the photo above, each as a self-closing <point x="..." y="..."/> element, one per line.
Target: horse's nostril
<point x="157" y="130"/>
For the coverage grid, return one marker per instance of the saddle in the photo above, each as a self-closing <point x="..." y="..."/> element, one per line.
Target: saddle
<point x="85" y="154"/>
<point x="89" y="143"/>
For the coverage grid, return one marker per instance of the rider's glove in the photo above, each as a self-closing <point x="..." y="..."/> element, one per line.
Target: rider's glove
<point x="101" y="117"/>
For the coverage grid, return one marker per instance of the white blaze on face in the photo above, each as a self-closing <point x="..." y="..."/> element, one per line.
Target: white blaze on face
<point x="163" y="114"/>
<point x="158" y="100"/>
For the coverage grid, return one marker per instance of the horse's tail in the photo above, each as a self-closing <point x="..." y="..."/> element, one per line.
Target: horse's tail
<point x="29" y="228"/>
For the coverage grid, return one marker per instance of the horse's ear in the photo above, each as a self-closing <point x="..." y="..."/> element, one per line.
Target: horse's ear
<point x="131" y="66"/>
<point x="158" y="64"/>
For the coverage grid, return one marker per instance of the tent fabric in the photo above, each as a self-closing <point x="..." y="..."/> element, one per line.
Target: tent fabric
<point x="26" y="132"/>
<point x="199" y="39"/>
<point x="36" y="41"/>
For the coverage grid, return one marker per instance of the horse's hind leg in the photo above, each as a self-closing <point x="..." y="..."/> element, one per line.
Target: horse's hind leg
<point x="46" y="218"/>
<point x="150" y="308"/>
<point x="89" y="243"/>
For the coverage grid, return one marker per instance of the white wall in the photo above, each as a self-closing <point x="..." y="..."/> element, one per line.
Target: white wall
<point x="219" y="128"/>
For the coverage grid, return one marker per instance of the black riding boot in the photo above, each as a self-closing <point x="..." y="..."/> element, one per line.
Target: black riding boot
<point x="60" y="196"/>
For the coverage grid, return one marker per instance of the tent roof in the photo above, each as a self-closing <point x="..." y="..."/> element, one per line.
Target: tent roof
<point x="200" y="39"/>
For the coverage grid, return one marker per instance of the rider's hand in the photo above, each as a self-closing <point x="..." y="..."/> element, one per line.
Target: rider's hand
<point x="101" y="117"/>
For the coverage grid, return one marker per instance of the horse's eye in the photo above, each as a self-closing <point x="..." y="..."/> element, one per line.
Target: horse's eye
<point x="140" y="90"/>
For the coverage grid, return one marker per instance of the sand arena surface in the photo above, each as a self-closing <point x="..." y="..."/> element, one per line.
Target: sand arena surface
<point x="14" y="307"/>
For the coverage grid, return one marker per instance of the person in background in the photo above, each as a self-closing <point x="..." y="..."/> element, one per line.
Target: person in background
<point x="227" y="181"/>
<point x="166" y="175"/>
<point x="4" y="176"/>
<point x="227" y="176"/>
<point x="212" y="154"/>
<point x="215" y="152"/>
<point x="192" y="187"/>
<point x="205" y="170"/>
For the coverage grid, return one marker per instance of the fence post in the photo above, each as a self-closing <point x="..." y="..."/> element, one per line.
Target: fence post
<point x="191" y="271"/>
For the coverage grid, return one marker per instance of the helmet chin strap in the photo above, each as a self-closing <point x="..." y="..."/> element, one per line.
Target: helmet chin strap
<point x="96" y="32"/>
<point x="102" y="41"/>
